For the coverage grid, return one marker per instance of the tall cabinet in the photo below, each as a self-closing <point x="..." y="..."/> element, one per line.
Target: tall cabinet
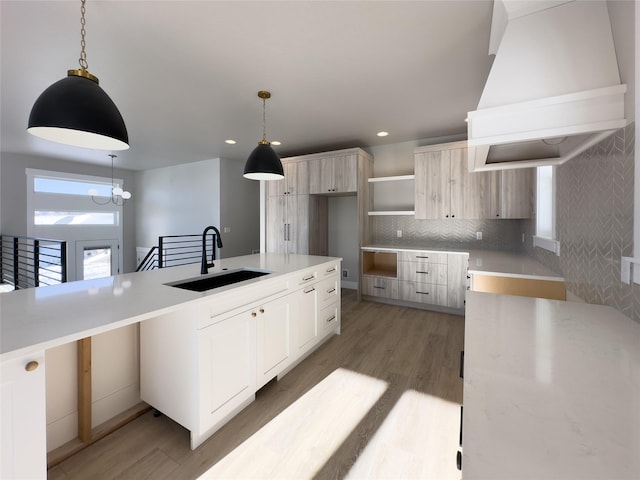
<point x="297" y="206"/>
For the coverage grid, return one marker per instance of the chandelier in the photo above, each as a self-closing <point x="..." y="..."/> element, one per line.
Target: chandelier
<point x="119" y="196"/>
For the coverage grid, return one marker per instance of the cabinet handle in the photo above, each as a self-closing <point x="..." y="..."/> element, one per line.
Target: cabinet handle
<point x="31" y="366"/>
<point x="306" y="279"/>
<point x="423" y="293"/>
<point x="459" y="460"/>
<point x="453" y="216"/>
<point x="381" y="288"/>
<point x="312" y="289"/>
<point x="262" y="310"/>
<point x="331" y="318"/>
<point x="254" y="314"/>
<point x="331" y="290"/>
<point x="424" y="273"/>
<point x="447" y="216"/>
<point x="421" y="256"/>
<point x="461" y="407"/>
<point x="461" y="363"/>
<point x="332" y="269"/>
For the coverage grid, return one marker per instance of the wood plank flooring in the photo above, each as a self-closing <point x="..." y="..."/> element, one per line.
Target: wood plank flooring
<point x="381" y="400"/>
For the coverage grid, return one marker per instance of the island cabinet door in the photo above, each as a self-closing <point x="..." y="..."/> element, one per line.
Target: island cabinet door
<point x="227" y="351"/>
<point x="23" y="434"/>
<point x="306" y="331"/>
<point x="274" y="337"/>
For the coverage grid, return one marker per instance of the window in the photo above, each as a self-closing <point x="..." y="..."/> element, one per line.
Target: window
<point x="545" y="236"/>
<point x="60" y="206"/>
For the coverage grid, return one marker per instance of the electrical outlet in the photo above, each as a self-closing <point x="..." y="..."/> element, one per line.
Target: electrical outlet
<point x="399" y="233"/>
<point x="523" y="238"/>
<point x="345" y="273"/>
<point x="478" y="235"/>
<point x="226" y="229"/>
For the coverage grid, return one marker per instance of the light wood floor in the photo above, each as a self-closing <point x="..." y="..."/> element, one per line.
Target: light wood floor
<point x="381" y="400"/>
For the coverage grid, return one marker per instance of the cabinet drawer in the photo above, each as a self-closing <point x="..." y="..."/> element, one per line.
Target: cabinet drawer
<point x="328" y="290"/>
<point x="328" y="318"/>
<point x="330" y="269"/>
<point x="380" y="287"/>
<point x="422" y="256"/>
<point x="423" y="272"/>
<point x="307" y="277"/>
<point x="423" y="293"/>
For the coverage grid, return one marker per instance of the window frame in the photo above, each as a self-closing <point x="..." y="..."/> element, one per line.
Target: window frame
<point x="545" y="241"/>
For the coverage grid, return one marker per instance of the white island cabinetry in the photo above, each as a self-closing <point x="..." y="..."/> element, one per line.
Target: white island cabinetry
<point x="23" y="433"/>
<point x="202" y="365"/>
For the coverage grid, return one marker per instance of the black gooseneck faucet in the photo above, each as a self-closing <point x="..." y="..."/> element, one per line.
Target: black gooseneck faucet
<point x="204" y="267"/>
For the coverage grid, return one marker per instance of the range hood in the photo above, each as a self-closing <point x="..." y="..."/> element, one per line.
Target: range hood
<point x="554" y="88"/>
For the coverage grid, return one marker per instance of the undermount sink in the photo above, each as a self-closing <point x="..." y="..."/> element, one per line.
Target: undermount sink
<point x="218" y="280"/>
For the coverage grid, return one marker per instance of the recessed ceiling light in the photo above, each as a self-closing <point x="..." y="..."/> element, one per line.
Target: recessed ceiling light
<point x="230" y="142"/>
<point x="276" y="142"/>
<point x="382" y="134"/>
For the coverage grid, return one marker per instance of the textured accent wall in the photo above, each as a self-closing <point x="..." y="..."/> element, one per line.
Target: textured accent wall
<point x="496" y="234"/>
<point x="594" y="223"/>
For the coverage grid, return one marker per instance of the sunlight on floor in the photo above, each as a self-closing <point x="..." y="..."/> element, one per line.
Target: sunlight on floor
<point x="418" y="440"/>
<point x="299" y="441"/>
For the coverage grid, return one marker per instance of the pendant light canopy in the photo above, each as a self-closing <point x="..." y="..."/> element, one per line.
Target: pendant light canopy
<point x="76" y="111"/>
<point x="263" y="163"/>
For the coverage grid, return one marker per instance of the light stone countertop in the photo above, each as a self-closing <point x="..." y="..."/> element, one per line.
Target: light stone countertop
<point x="551" y="390"/>
<point x="40" y="318"/>
<point x="487" y="262"/>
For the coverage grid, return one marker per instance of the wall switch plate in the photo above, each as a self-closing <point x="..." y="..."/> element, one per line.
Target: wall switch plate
<point x="345" y="273"/>
<point x="478" y="235"/>
<point x="523" y="238"/>
<point x="226" y="229"/>
<point x="399" y="233"/>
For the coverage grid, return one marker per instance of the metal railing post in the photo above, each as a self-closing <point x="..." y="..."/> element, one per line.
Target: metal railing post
<point x="16" y="263"/>
<point x="36" y="262"/>
<point x="63" y="262"/>
<point x="160" y="254"/>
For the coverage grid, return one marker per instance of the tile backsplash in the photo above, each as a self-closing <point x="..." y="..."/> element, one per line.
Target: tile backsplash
<point x="594" y="223"/>
<point x="496" y="234"/>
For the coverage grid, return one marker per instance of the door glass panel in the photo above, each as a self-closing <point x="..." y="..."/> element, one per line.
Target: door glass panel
<point x="96" y="262"/>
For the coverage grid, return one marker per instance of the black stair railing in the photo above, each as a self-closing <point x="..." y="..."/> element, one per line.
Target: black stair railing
<point x="173" y="250"/>
<point x="32" y="262"/>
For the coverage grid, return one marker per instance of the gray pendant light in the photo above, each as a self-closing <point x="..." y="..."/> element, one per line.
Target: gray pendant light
<point x="76" y="111"/>
<point x="263" y="163"/>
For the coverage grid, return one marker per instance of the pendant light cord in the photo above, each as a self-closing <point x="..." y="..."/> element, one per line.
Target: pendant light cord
<point x="264" y="120"/>
<point x="83" y="44"/>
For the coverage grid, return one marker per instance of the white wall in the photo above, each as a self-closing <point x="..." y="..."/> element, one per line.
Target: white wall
<point x="239" y="210"/>
<point x="184" y="199"/>
<point x="177" y="200"/>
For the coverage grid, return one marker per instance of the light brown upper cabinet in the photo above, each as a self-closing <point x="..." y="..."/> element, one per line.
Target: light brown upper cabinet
<point x="334" y="174"/>
<point x="441" y="181"/>
<point x="295" y="181"/>
<point x="515" y="193"/>
<point x="444" y="187"/>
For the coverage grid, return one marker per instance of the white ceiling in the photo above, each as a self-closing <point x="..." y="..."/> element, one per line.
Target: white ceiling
<point x="185" y="74"/>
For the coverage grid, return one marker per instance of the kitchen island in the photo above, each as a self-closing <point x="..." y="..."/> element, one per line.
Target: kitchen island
<point x="551" y="390"/>
<point x="34" y="320"/>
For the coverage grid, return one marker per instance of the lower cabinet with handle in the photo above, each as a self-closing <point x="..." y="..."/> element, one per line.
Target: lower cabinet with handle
<point x="23" y="434"/>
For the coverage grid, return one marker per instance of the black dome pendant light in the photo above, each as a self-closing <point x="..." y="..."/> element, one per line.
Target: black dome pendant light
<point x="76" y="111"/>
<point x="263" y="163"/>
